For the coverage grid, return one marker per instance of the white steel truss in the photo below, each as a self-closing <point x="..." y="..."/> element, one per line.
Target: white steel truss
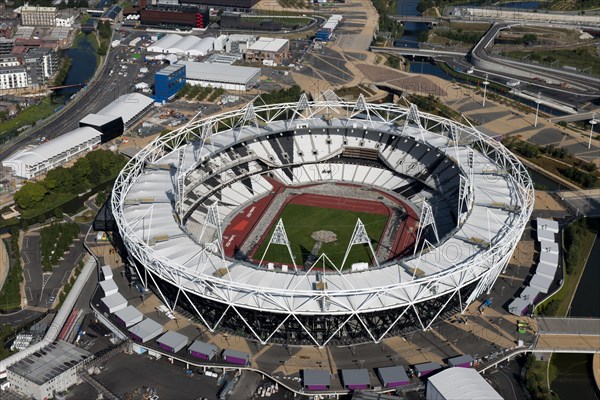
<point x="345" y="295"/>
<point x="425" y="220"/>
<point x="279" y="237"/>
<point x="359" y="236"/>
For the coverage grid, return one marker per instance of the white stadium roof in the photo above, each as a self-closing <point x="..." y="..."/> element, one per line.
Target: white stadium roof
<point x="127" y="106"/>
<point x="176" y="44"/>
<point x="457" y="259"/>
<point x="221" y="73"/>
<point x="460" y="383"/>
<point x="54" y="147"/>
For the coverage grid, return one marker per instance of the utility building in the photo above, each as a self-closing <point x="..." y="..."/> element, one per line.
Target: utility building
<point x="168" y="81"/>
<point x="229" y="77"/>
<point x="460" y="383"/>
<point x="50" y="370"/>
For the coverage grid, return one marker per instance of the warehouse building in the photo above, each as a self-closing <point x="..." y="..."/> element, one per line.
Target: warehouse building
<point x="192" y="46"/>
<point x="175" y="16"/>
<point x="118" y="116"/>
<point x="168" y="81"/>
<point x="49" y="371"/>
<point x="268" y="51"/>
<point x="37" y="16"/>
<point x="228" y="5"/>
<point x="238" y="44"/>
<point x="229" y="77"/>
<point x="460" y="383"/>
<point x="33" y="162"/>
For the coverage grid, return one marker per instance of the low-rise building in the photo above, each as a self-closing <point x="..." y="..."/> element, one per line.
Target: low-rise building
<point x="13" y="77"/>
<point x="238" y="44"/>
<point x="268" y="50"/>
<point x="168" y="81"/>
<point x="66" y="18"/>
<point x="49" y="371"/>
<point x="30" y="163"/>
<point x="38" y="16"/>
<point x="229" y="77"/>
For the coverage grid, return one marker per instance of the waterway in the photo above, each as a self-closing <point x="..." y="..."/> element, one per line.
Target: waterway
<point x="83" y="66"/>
<point x="575" y="370"/>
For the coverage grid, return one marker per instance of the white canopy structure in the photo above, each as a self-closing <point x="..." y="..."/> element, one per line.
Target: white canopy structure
<point x="460" y="383"/>
<point x="193" y="46"/>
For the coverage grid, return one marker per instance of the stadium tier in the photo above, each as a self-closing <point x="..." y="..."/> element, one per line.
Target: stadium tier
<point x="197" y="208"/>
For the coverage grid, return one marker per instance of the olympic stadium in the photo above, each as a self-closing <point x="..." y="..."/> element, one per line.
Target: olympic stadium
<point x="321" y="222"/>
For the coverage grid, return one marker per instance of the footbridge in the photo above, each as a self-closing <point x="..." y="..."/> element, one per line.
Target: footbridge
<point x="557" y="335"/>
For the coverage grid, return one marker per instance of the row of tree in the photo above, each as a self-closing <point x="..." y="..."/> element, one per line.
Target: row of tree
<point x="55" y="241"/>
<point x="62" y="184"/>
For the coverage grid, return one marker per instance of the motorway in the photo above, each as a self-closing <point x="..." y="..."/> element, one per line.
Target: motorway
<point x="105" y="89"/>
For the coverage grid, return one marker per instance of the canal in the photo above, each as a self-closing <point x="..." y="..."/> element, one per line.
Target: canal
<point x="83" y="65"/>
<point x="575" y="376"/>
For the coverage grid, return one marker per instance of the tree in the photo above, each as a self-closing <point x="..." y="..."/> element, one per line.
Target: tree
<point x="30" y="195"/>
<point x="423" y="36"/>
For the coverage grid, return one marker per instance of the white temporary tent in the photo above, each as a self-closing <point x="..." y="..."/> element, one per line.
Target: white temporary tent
<point x="459" y="383"/>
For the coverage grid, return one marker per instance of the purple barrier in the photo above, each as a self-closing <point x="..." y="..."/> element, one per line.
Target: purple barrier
<point x="235" y="360"/>
<point x="199" y="355"/>
<point x="360" y="387"/>
<point x="396" y="384"/>
<point x="166" y="348"/>
<point x="317" y="387"/>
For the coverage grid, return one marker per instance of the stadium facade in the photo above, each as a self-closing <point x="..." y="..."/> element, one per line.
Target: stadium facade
<point x="173" y="200"/>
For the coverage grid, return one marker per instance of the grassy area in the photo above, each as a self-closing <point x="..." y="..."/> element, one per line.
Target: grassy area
<point x="581" y="58"/>
<point x="558" y="304"/>
<point x="29" y="116"/>
<point x="286" y="22"/>
<point x="10" y="295"/>
<point x="301" y="221"/>
<point x="354" y="91"/>
<point x="537" y="375"/>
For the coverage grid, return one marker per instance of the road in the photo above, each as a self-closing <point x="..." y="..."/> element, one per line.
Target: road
<point x="106" y="88"/>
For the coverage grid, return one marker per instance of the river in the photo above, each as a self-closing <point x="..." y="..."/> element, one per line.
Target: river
<point x="83" y="66"/>
<point x="575" y="370"/>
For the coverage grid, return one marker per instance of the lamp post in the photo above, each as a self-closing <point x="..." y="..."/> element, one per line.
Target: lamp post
<point x="485" y="84"/>
<point x="593" y="122"/>
<point x="537" y="109"/>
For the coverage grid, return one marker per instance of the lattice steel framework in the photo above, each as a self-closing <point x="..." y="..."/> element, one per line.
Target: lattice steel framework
<point x="420" y="300"/>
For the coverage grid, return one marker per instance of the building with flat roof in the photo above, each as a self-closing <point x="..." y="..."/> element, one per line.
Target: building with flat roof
<point x="13" y="77"/>
<point x="168" y="81"/>
<point x="239" y="43"/>
<point x="38" y="16"/>
<point x="236" y="357"/>
<point x="354" y="379"/>
<point x="172" y="341"/>
<point x="146" y="330"/>
<point x="460" y="383"/>
<point x="316" y="379"/>
<point x="175" y="16"/>
<point x="202" y="350"/>
<point x="268" y="49"/>
<point x="50" y="370"/>
<point x="129" y="316"/>
<point x="114" y="302"/>
<point x="229" y="77"/>
<point x="392" y="377"/>
<point x="35" y="161"/>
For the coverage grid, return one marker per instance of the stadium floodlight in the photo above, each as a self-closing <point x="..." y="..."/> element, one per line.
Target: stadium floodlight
<point x="359" y="236"/>
<point x="279" y="237"/>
